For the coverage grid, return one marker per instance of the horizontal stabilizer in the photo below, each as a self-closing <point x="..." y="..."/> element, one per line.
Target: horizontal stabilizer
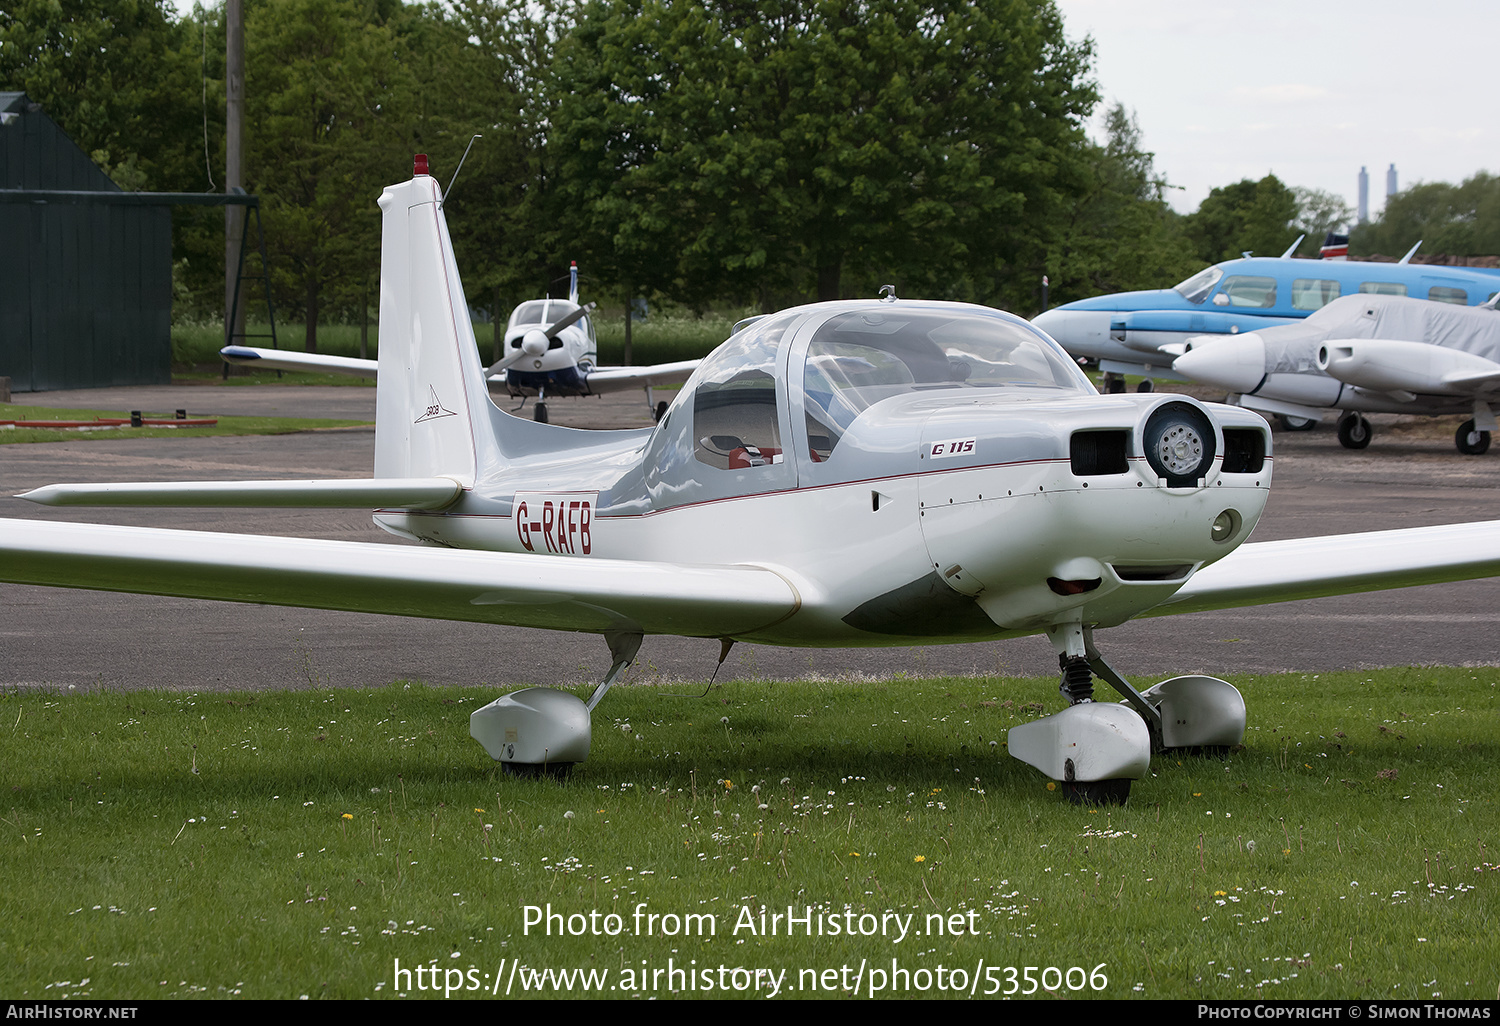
<point x="1340" y="564"/>
<point x="357" y="493"/>
<point x="555" y="592"/>
<point x="282" y="359"/>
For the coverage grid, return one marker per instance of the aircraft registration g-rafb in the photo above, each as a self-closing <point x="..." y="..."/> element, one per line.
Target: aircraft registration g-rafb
<point x="549" y="349"/>
<point x="1364" y="354"/>
<point x="855" y="473"/>
<point x="1144" y="332"/>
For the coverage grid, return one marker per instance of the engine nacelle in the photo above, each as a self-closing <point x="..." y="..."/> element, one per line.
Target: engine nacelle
<point x="1388" y="365"/>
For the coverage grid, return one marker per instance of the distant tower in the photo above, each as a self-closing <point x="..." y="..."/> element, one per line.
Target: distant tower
<point x="1364" y="195"/>
<point x="1390" y="182"/>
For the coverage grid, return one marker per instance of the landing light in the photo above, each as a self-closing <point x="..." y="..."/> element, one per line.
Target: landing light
<point x="1225" y="526"/>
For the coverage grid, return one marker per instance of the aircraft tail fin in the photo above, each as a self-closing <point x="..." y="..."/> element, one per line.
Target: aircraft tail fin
<point x="432" y="405"/>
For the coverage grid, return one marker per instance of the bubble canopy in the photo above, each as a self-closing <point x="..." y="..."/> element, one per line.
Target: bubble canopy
<point x="854" y="360"/>
<point x="783" y="391"/>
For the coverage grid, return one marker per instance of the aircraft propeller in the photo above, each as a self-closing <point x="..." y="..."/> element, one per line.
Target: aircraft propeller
<point x="537" y="341"/>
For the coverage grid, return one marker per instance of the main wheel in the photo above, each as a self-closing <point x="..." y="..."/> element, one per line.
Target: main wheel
<point x="539" y="414"/>
<point x="1146" y="386"/>
<point x="1354" y="431"/>
<point x="1296" y="423"/>
<point x="661" y="411"/>
<point x="1470" y="440"/>
<point x="1113" y="384"/>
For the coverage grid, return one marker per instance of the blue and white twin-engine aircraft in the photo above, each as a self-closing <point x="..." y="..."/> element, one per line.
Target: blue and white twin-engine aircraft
<point x="1142" y="333"/>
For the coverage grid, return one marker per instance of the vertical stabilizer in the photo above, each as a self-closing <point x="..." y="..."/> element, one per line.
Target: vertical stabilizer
<point x="430" y="392"/>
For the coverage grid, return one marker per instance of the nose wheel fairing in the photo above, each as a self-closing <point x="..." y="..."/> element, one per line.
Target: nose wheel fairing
<point x="1096" y="749"/>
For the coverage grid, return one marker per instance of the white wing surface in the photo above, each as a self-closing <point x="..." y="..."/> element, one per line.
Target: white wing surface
<point x="283" y="359"/>
<point x="555" y="592"/>
<point x="1343" y="564"/>
<point x="616" y="379"/>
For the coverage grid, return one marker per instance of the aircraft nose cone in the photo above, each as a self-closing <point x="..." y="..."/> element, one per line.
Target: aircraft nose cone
<point x="1082" y="328"/>
<point x="1237" y="363"/>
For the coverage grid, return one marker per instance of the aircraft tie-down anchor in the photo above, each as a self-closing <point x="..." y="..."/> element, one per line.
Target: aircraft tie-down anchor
<point x="1095" y="749"/>
<point x="544" y="731"/>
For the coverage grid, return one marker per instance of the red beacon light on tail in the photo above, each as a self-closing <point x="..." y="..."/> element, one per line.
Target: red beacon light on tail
<point x="419" y="165"/>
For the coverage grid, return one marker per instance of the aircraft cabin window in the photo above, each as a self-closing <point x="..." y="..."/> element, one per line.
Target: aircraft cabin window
<point x="1248" y="290"/>
<point x="857" y="359"/>
<point x="1313" y="293"/>
<point x="1444" y="294"/>
<point x="736" y="425"/>
<point x="1197" y="288"/>
<point x="529" y="313"/>
<point x="1382" y="288"/>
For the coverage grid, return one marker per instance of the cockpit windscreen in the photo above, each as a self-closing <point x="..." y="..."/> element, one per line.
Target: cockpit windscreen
<point x="857" y="359"/>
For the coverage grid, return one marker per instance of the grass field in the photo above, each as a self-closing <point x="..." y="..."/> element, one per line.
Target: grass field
<point x="225" y="426"/>
<point x="160" y="844"/>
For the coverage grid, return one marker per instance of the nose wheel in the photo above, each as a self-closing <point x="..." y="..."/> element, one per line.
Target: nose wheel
<point x="1095" y="749"/>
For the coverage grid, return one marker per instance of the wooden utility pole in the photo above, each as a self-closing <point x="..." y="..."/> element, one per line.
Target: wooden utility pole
<point x="234" y="119"/>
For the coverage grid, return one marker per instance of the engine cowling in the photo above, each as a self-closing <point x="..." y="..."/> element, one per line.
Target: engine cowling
<point x="1389" y="365"/>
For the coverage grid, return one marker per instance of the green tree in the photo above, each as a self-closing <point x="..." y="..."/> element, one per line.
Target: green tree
<point x="775" y="149"/>
<point x="1318" y="213"/>
<point x="507" y="244"/>
<point x="1246" y="216"/>
<point x="1458" y="220"/>
<point x="1122" y="235"/>
<point x="339" y="95"/>
<point x="120" y="77"/>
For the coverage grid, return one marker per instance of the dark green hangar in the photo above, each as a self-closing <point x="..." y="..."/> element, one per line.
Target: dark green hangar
<point x="85" y="268"/>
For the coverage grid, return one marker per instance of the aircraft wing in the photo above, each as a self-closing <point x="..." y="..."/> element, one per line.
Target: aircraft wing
<point x="1304" y="568"/>
<point x="616" y="379"/>
<point x="284" y="359"/>
<point x="555" y="592"/>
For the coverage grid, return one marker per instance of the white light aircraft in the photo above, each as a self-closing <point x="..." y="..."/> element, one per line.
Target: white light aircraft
<point x="549" y="349"/>
<point x="874" y="473"/>
<point x="1364" y="354"/>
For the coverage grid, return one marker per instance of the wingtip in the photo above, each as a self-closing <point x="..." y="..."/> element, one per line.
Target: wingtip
<point x="47" y="495"/>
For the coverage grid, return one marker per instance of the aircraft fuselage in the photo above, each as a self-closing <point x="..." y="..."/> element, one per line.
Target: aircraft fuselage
<point x="996" y="526"/>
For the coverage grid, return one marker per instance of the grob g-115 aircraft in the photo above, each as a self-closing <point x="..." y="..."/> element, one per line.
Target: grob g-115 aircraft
<point x="549" y="348"/>
<point x="1143" y="332"/>
<point x="874" y="473"/>
<point x="1365" y="354"/>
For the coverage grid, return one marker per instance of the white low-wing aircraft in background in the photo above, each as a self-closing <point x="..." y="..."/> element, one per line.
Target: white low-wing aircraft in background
<point x="873" y="473"/>
<point x="549" y="349"/>
<point x="1364" y="354"/>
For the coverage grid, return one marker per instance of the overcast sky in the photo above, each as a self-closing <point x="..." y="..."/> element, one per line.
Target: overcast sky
<point x="1309" y="91"/>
